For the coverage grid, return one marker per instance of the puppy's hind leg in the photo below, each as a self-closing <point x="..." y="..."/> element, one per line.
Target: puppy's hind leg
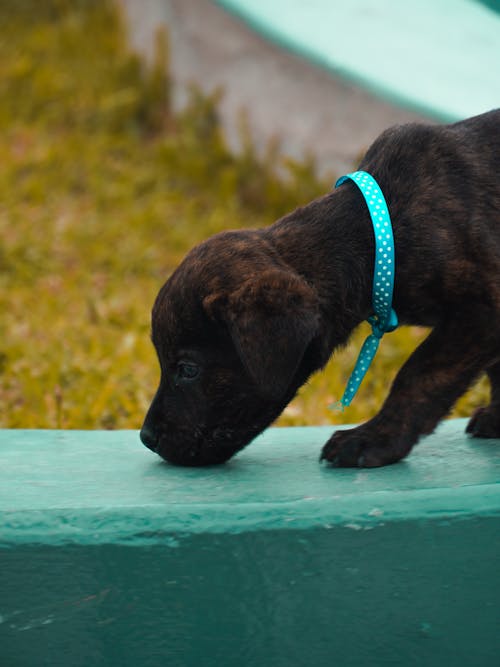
<point x="485" y="422"/>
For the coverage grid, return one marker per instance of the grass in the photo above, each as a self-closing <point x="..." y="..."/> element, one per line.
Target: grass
<point x="102" y="190"/>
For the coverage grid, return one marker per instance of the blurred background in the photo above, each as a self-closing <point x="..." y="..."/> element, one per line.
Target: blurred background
<point x="133" y="129"/>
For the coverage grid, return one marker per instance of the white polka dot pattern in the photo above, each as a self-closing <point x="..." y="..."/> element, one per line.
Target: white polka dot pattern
<point x="384" y="318"/>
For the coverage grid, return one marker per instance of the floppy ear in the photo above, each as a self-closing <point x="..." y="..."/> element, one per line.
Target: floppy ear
<point x="272" y="318"/>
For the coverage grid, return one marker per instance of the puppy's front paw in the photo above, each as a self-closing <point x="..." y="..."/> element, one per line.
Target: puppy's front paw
<point x="484" y="423"/>
<point x="362" y="448"/>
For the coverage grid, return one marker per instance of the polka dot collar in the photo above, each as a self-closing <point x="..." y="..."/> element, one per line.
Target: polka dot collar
<point x="384" y="319"/>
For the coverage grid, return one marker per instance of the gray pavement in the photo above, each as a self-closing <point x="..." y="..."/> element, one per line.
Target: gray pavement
<point x="282" y="96"/>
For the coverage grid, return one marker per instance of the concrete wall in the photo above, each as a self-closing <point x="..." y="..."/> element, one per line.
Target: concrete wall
<point x="109" y="556"/>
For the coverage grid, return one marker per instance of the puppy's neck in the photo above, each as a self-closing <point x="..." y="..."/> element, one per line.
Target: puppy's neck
<point x="330" y="244"/>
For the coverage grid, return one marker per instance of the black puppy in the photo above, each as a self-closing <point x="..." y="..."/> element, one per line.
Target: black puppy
<point x="249" y="315"/>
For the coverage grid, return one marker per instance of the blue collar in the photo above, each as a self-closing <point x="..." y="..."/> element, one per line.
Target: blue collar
<point x="384" y="319"/>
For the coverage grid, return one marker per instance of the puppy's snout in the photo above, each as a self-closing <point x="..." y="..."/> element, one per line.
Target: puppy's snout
<point x="149" y="437"/>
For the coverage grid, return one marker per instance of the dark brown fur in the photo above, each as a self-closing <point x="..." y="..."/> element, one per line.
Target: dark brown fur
<point x="248" y="316"/>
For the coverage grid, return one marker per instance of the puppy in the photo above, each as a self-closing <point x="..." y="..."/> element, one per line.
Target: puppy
<point x="248" y="316"/>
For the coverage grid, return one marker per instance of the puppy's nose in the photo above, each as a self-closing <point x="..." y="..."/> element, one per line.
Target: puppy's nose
<point x="149" y="437"/>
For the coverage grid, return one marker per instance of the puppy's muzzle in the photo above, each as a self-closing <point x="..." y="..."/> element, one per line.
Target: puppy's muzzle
<point x="149" y="438"/>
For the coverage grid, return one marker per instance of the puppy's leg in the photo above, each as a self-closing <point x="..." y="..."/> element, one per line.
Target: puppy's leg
<point x="485" y="422"/>
<point x="425" y="389"/>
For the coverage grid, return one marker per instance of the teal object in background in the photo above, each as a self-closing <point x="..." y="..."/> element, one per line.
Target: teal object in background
<point x="440" y="58"/>
<point x="109" y="556"/>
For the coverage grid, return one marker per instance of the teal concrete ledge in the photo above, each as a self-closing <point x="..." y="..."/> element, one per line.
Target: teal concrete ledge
<point x="91" y="487"/>
<point x="109" y="556"/>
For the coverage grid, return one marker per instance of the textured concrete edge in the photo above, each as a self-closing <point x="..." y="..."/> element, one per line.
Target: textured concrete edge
<point x="148" y="525"/>
<point x="379" y="90"/>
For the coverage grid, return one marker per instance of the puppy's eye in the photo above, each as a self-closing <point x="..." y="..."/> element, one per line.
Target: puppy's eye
<point x="186" y="370"/>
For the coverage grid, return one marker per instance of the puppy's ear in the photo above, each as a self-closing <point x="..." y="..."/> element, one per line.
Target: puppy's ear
<point x="272" y="318"/>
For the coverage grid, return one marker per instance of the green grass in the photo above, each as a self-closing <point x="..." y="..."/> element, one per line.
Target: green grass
<point x="102" y="191"/>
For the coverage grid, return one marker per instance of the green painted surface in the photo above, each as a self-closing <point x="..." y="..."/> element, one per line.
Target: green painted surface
<point x="440" y="58"/>
<point x="109" y="556"/>
<point x="100" y="486"/>
<point x="406" y="594"/>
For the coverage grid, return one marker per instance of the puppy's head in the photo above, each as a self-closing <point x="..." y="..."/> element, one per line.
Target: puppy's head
<point x="236" y="333"/>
